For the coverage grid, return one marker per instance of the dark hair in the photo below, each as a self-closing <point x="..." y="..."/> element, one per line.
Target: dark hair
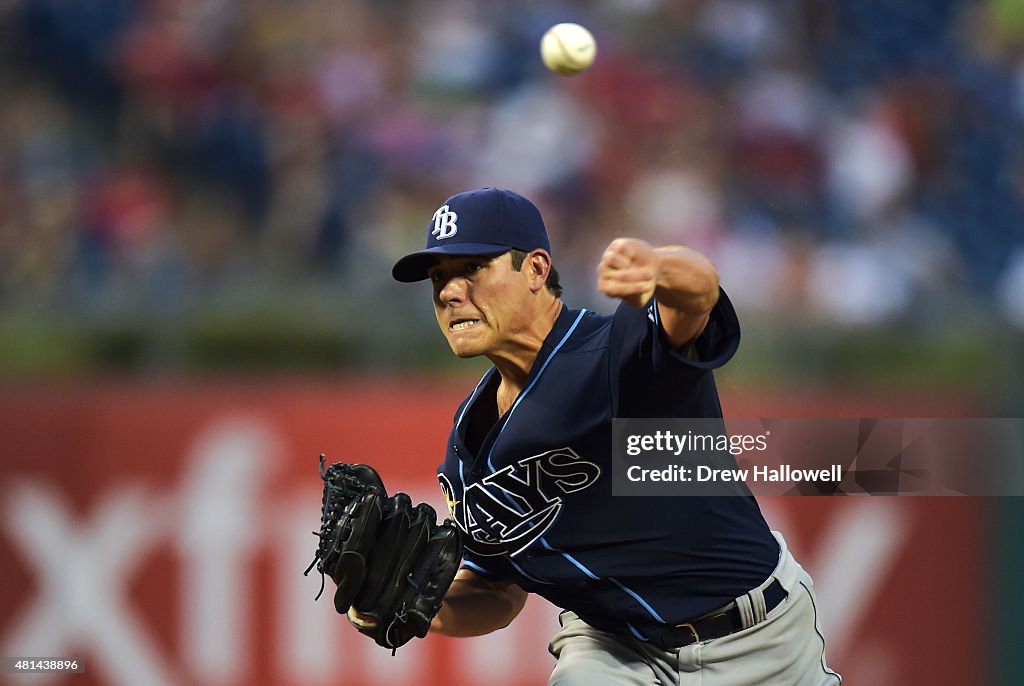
<point x="519" y="256"/>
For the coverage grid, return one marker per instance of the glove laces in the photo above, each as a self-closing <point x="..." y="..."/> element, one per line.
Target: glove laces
<point x="327" y="519"/>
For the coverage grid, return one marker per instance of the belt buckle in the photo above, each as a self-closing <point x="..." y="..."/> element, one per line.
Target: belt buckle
<point x="692" y="628"/>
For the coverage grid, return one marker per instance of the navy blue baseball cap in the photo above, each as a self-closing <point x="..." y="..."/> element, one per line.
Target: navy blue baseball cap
<point x="485" y="221"/>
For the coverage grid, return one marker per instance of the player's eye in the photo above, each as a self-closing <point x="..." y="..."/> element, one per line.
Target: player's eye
<point x="439" y="277"/>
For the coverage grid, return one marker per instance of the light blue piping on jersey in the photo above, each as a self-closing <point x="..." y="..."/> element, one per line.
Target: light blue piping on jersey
<point x="508" y="418"/>
<point x="479" y="385"/>
<point x="533" y="383"/>
<point x="531" y="577"/>
<point x="653" y="310"/>
<point x="511" y="561"/>
<point x="473" y="565"/>
<point x="522" y="395"/>
<point x="633" y="594"/>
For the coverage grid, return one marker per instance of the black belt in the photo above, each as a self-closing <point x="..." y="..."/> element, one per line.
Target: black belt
<point x="716" y="625"/>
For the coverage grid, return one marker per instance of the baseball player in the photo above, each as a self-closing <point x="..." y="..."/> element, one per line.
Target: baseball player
<point x="655" y="590"/>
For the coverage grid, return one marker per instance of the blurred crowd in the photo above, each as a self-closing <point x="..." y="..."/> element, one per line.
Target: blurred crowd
<point x="852" y="162"/>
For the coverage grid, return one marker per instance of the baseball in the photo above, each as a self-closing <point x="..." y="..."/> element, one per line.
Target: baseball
<point x="567" y="49"/>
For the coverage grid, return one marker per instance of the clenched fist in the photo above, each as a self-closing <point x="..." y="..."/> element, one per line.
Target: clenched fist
<point x="629" y="271"/>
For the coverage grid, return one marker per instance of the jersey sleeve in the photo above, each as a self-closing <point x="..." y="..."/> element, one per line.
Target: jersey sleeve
<point x="479" y="565"/>
<point x="644" y="360"/>
<point x="638" y="331"/>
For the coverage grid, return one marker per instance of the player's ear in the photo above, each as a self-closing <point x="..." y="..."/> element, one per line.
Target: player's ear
<point x="539" y="262"/>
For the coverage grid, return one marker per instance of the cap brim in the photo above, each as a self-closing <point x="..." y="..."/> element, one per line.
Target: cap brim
<point x="413" y="267"/>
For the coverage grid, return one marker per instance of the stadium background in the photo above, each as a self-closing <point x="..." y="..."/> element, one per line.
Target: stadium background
<point x="200" y="201"/>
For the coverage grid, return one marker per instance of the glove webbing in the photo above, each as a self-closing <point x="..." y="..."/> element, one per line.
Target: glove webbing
<point x="327" y="518"/>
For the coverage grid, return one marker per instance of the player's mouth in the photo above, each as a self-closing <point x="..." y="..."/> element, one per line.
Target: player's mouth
<point x="462" y="324"/>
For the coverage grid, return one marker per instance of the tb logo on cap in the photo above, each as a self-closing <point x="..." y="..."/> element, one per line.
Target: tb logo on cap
<point x="444" y="223"/>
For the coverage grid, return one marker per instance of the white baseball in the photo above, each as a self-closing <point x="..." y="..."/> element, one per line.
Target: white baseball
<point x="567" y="49"/>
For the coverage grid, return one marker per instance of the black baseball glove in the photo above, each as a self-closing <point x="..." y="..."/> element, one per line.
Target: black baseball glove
<point x="391" y="560"/>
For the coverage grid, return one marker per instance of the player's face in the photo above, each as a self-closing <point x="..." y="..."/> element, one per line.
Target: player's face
<point x="480" y="303"/>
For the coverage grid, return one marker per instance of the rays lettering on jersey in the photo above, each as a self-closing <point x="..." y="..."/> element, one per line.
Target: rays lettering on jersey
<point x="510" y="509"/>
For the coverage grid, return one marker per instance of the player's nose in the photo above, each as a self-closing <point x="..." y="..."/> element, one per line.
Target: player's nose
<point x="453" y="291"/>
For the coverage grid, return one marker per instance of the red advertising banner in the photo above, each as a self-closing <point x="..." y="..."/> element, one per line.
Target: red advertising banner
<point x="159" y="533"/>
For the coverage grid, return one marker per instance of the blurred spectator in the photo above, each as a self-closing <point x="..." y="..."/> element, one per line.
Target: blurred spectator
<point x="1011" y="290"/>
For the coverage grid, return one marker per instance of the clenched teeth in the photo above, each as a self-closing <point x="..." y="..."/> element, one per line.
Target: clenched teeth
<point x="463" y="325"/>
